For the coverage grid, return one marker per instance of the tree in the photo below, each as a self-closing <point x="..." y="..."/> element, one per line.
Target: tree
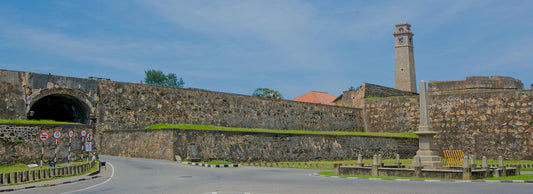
<point x="266" y="92"/>
<point x="352" y="88"/>
<point x="156" y="77"/>
<point x="173" y="81"/>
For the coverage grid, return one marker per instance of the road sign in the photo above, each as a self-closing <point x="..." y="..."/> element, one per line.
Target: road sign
<point x="70" y="133"/>
<point x="88" y="146"/>
<point x="83" y="132"/>
<point x="43" y="136"/>
<point x="90" y="137"/>
<point x="57" y="134"/>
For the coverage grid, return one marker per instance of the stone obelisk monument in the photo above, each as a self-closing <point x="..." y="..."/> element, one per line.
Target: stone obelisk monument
<point x="426" y="146"/>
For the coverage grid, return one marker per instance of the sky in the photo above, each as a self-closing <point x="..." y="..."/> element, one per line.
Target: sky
<point x="292" y="46"/>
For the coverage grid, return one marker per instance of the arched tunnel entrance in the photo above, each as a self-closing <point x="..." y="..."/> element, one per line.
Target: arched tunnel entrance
<point x="59" y="107"/>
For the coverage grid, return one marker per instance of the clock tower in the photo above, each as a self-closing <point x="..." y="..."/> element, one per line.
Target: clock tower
<point x="404" y="58"/>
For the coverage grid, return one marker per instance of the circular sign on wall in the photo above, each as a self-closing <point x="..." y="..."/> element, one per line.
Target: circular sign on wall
<point x="43" y="136"/>
<point x="70" y="133"/>
<point x="89" y="137"/>
<point x="57" y="134"/>
<point x="83" y="132"/>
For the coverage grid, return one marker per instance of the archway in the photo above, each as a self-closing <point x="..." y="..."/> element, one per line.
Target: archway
<point x="59" y="107"/>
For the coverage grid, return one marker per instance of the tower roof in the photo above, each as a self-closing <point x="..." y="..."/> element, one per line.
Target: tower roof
<point x="403" y="24"/>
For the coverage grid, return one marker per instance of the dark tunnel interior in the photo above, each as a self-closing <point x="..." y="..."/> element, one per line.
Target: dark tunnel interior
<point x="59" y="107"/>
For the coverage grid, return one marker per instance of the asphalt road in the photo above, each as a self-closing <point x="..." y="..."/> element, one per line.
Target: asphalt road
<point x="132" y="175"/>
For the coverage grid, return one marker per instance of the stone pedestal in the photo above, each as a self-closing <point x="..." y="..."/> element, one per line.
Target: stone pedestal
<point x="428" y="155"/>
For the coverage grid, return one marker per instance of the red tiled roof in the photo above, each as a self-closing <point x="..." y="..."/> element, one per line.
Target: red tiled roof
<point x="316" y="97"/>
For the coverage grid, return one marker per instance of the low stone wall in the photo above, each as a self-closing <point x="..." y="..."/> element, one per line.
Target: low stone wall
<point x="20" y="143"/>
<point x="251" y="146"/>
<point x="467" y="173"/>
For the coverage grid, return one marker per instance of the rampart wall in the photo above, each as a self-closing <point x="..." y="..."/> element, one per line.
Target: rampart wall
<point x="355" y="98"/>
<point x="124" y="106"/>
<point x="481" y="123"/>
<point x="251" y="146"/>
<point x="475" y="83"/>
<point x="20" y="143"/>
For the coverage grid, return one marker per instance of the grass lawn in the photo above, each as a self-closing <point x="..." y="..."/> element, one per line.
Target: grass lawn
<point x="23" y="167"/>
<point x="217" y="128"/>
<point x="521" y="177"/>
<point x="36" y="122"/>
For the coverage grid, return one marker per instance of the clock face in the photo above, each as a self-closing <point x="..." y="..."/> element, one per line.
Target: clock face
<point x="400" y="39"/>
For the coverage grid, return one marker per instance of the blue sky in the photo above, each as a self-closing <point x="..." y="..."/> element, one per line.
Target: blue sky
<point x="287" y="45"/>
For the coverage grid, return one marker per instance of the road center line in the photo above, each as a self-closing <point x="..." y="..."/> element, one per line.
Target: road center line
<point x="108" y="179"/>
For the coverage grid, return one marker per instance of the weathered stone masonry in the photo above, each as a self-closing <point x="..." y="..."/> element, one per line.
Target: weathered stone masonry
<point x="251" y="146"/>
<point x="19" y="143"/>
<point x="481" y="123"/>
<point x="133" y="106"/>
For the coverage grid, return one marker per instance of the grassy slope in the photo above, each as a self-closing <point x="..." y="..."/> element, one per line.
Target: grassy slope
<point x="204" y="127"/>
<point x="36" y="122"/>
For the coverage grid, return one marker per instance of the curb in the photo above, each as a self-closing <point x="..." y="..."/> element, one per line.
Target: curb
<point x="212" y="166"/>
<point x="430" y="181"/>
<point x="50" y="185"/>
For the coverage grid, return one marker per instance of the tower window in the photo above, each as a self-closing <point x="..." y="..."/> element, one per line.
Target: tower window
<point x="401" y="29"/>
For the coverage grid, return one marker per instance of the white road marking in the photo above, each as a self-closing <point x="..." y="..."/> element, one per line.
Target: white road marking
<point x="108" y="179"/>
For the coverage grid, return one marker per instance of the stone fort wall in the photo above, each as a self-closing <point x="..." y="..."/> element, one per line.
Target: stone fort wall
<point x="475" y="83"/>
<point x="19" y="90"/>
<point x="124" y="106"/>
<point x="251" y="146"/>
<point x="20" y="143"/>
<point x="481" y="123"/>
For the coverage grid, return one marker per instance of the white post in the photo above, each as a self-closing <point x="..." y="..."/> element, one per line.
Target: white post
<point x="55" y="154"/>
<point x="69" y="144"/>
<point x="42" y="153"/>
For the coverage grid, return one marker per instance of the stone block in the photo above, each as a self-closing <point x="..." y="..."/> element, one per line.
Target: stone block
<point x="32" y="175"/>
<point x="8" y="178"/>
<point x="336" y="168"/>
<point x="26" y="176"/>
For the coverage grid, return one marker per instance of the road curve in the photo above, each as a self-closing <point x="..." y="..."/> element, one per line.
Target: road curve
<point x="133" y="175"/>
